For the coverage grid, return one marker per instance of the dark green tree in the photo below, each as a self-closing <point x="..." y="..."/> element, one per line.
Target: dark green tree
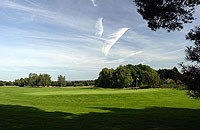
<point x="44" y="80"/>
<point x="192" y="71"/>
<point x="38" y="80"/>
<point x="19" y="82"/>
<point x="169" y="74"/>
<point x="22" y="82"/>
<point x="105" y="79"/>
<point x="9" y="83"/>
<point x="122" y="77"/>
<point x="54" y="83"/>
<point x="2" y="83"/>
<point x="33" y="80"/>
<point x="61" y="81"/>
<point x="152" y="79"/>
<point x="148" y="76"/>
<point x="167" y="14"/>
<point x="135" y="74"/>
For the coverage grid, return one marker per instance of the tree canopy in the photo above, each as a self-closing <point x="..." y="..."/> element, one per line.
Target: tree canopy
<point x="192" y="71"/>
<point x="122" y="77"/>
<point x="105" y="78"/>
<point x="128" y="76"/>
<point x="61" y="81"/>
<point x="169" y="74"/>
<point x="167" y="14"/>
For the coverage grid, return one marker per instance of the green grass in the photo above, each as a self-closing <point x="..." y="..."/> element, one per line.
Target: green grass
<point x="97" y="109"/>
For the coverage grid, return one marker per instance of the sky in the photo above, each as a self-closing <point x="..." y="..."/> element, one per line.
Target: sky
<point x="77" y="38"/>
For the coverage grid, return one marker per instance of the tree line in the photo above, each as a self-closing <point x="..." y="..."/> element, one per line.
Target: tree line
<point x="44" y="80"/>
<point x="138" y="76"/>
<point x="121" y="77"/>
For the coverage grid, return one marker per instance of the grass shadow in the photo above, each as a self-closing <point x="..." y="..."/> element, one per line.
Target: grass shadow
<point x="30" y="118"/>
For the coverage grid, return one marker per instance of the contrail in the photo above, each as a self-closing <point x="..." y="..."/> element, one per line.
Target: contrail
<point x="134" y="53"/>
<point x="124" y="59"/>
<point x="94" y="3"/>
<point x="113" y="39"/>
<point x="99" y="27"/>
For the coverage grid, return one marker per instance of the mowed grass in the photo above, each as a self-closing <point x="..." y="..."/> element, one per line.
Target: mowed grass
<point x="86" y="108"/>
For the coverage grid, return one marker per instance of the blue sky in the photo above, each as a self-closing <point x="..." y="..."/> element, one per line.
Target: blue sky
<point x="77" y="38"/>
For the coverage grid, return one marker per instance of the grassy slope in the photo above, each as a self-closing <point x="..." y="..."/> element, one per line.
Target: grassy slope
<point x="87" y="108"/>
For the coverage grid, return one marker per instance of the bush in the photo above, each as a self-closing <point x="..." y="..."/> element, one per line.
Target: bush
<point x="170" y="81"/>
<point x="152" y="79"/>
<point x="1" y="84"/>
<point x="78" y="84"/>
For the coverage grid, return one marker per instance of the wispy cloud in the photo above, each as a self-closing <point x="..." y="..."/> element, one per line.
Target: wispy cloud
<point x="17" y="6"/>
<point x="94" y="3"/>
<point x="113" y="39"/>
<point x="48" y="16"/>
<point x="134" y="53"/>
<point x="99" y="27"/>
<point x="126" y="57"/>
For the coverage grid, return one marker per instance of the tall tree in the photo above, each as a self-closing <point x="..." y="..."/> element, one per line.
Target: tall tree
<point x="152" y="79"/>
<point x="136" y="73"/>
<point x="105" y="78"/>
<point x="61" y="81"/>
<point x="122" y="77"/>
<point x="192" y="71"/>
<point x="38" y="80"/>
<point x="169" y="74"/>
<point x="171" y="15"/>
<point x="44" y="80"/>
<point x="33" y="79"/>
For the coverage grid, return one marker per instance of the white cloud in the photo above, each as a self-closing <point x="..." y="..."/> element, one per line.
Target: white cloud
<point x="125" y="57"/>
<point x="113" y="39"/>
<point x="99" y="27"/>
<point x="94" y="3"/>
<point x="17" y="6"/>
<point x="50" y="17"/>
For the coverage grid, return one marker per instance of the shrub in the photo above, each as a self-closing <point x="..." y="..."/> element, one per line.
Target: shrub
<point x="1" y="84"/>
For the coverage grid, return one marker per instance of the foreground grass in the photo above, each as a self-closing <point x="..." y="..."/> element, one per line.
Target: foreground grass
<point x="97" y="109"/>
